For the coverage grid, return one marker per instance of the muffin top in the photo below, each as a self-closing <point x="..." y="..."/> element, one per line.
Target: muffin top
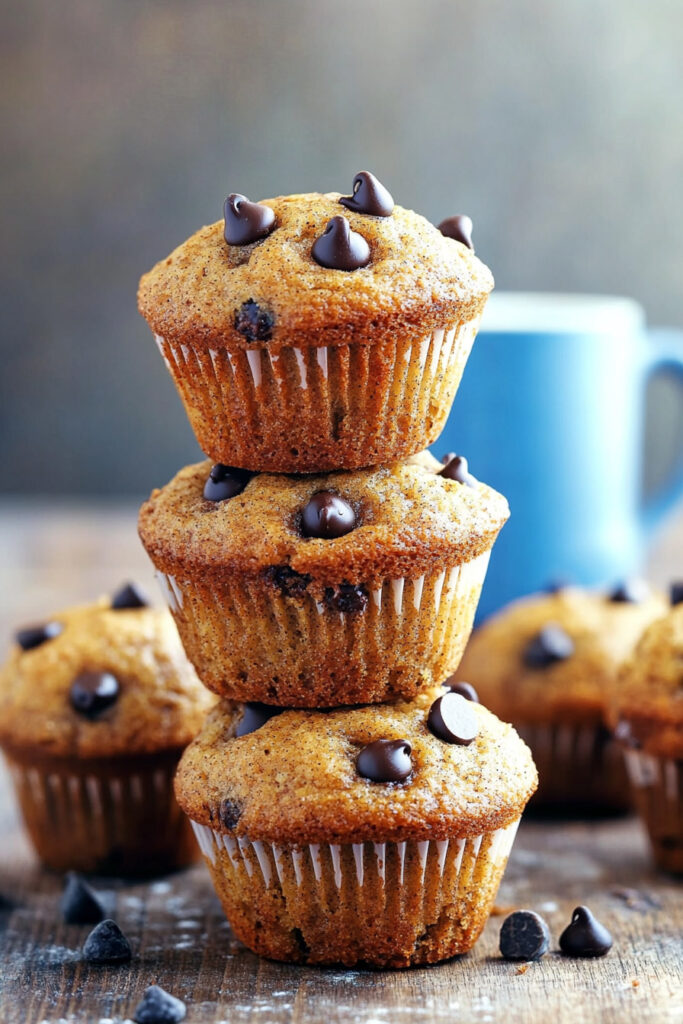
<point x="647" y="711"/>
<point x="273" y="291"/>
<point x="556" y="656"/>
<point x="379" y="772"/>
<point x="100" y="681"/>
<point x="404" y="519"/>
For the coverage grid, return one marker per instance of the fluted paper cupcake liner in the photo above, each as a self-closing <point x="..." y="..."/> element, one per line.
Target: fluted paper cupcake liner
<point x="658" y="794"/>
<point x="316" y="409"/>
<point x="387" y="904"/>
<point x="247" y="641"/>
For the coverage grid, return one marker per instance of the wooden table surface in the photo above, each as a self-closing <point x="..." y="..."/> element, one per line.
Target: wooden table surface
<point x="182" y="942"/>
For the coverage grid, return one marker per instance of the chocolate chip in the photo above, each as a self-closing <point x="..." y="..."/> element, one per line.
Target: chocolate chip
<point x="225" y="482"/>
<point x="551" y="644"/>
<point x="340" y="248"/>
<point x="385" y="761"/>
<point x="93" y="692"/>
<point x="326" y="516"/>
<point x="254" y="716"/>
<point x="159" y="1007"/>
<point x="230" y="811"/>
<point x="246" y="222"/>
<point x="130" y="595"/>
<point x="456" y="469"/>
<point x="629" y="592"/>
<point x="346" y="598"/>
<point x="286" y="580"/>
<point x="254" y="322"/>
<point x="585" y="936"/>
<point x="459" y="228"/>
<point x="452" y="719"/>
<point x="79" y="903"/>
<point x="369" y="196"/>
<point x="524" y="935"/>
<point x="676" y="593"/>
<point x="465" y="690"/>
<point x="33" y="636"/>
<point x="107" y="944"/>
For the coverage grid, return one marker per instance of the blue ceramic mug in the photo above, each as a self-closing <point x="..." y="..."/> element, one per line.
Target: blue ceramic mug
<point x="551" y="413"/>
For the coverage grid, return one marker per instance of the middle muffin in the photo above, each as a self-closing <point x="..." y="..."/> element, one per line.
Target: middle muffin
<point x="343" y="588"/>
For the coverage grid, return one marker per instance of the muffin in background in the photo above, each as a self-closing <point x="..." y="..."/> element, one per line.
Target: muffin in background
<point x="96" y="706"/>
<point x="647" y="716"/>
<point x="305" y="334"/>
<point x="548" y="664"/>
<point x="314" y="591"/>
<point x="373" y="835"/>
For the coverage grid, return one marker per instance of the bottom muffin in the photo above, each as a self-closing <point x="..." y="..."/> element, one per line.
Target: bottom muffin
<point x="374" y="835"/>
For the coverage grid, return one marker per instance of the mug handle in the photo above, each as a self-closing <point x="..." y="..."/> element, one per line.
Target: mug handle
<point x="665" y="355"/>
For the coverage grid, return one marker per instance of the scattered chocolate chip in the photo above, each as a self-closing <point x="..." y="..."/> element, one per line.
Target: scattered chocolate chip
<point x="107" y="944"/>
<point x="93" y="692"/>
<point x="346" y="598"/>
<point x="246" y="222"/>
<point x="623" y="733"/>
<point x="33" y="636"/>
<point x="286" y="580"/>
<point x="254" y="716"/>
<point x="369" y="196"/>
<point x="524" y="935"/>
<point x="456" y="469"/>
<point x="326" y="516"/>
<point x="385" y="761"/>
<point x="551" y="644"/>
<point x="676" y="593"/>
<point x="225" y="482"/>
<point x="130" y="595"/>
<point x="459" y="228"/>
<point x="230" y="811"/>
<point x="629" y="592"/>
<point x="636" y="899"/>
<point x="452" y="719"/>
<point x="79" y="903"/>
<point x="465" y="690"/>
<point x="159" y="1007"/>
<point x="585" y="936"/>
<point x="254" y="322"/>
<point x="340" y="248"/>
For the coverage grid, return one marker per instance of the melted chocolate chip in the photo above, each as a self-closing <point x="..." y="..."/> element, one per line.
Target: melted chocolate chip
<point x="130" y="595"/>
<point x="286" y="580"/>
<point x="225" y="482"/>
<point x="254" y="322"/>
<point x="340" y="248"/>
<point x="254" y="716"/>
<point x="246" y="222"/>
<point x="465" y="690"/>
<point x="551" y="644"/>
<point x="346" y="598"/>
<point x="676" y="593"/>
<point x="158" y="1006"/>
<point x="230" y="811"/>
<point x="459" y="228"/>
<point x="385" y="761"/>
<point x="524" y="935"/>
<point x="452" y="719"/>
<point x="456" y="469"/>
<point x="327" y="516"/>
<point x="629" y="592"/>
<point x="107" y="944"/>
<point x="33" y="636"/>
<point x="92" y="693"/>
<point x="79" y="903"/>
<point x="369" y="196"/>
<point x="585" y="936"/>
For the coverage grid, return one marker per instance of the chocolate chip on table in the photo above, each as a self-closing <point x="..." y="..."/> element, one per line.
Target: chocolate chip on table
<point x="327" y="516"/>
<point x="254" y="716"/>
<point x="346" y="598"/>
<point x="676" y="593"/>
<point x="456" y="469"/>
<point x="524" y="935"/>
<point x="585" y="936"/>
<point x="130" y="595"/>
<point x="225" y="482"/>
<point x="159" y="1007"/>
<point x="465" y="690"/>
<point x="369" y="196"/>
<point x="254" y="322"/>
<point x="550" y="645"/>
<point x="230" y="811"/>
<point x="385" y="761"/>
<point x="92" y="693"/>
<point x="107" y="944"/>
<point x="246" y="222"/>
<point x="629" y="592"/>
<point x="33" y="636"/>
<point x="79" y="903"/>
<point x="289" y="582"/>
<point x="452" y="719"/>
<point x="458" y="228"/>
<point x="340" y="248"/>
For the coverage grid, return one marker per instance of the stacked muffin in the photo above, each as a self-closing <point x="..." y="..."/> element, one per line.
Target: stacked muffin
<point x="324" y="337"/>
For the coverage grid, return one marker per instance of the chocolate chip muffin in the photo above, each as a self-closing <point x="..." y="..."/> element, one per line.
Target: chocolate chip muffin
<point x="373" y="835"/>
<point x="317" y="332"/>
<point x="548" y="664"/>
<point x="313" y="591"/>
<point x="96" y="705"/>
<point x="647" y="716"/>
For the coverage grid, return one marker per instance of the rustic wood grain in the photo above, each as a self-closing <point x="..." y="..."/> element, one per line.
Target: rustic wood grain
<point x="182" y="942"/>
